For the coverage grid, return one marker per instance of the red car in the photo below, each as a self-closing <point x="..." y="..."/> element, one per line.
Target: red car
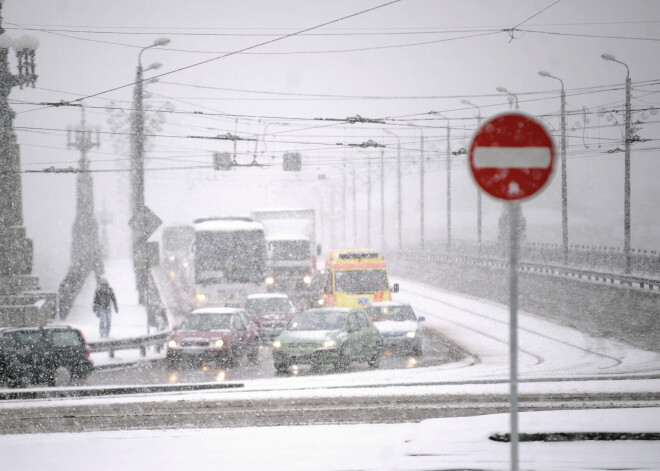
<point x="214" y="334"/>
<point x="271" y="312"/>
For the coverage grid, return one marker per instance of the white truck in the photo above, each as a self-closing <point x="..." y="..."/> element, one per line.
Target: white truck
<point x="292" y="251"/>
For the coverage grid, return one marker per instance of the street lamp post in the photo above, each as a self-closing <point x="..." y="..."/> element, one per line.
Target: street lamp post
<point x="448" y="167"/>
<point x="140" y="235"/>
<point x="382" y="198"/>
<point x="421" y="185"/>
<point x="479" y="218"/>
<point x="366" y="154"/>
<point x="398" y="186"/>
<point x="626" y="186"/>
<point x="355" y="231"/>
<point x="564" y="184"/>
<point x="511" y="97"/>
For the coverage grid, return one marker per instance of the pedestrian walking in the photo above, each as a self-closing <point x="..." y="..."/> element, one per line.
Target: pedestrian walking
<point x="104" y="299"/>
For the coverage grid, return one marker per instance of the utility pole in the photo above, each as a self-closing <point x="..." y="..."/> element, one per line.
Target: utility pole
<point x="421" y="189"/>
<point x="479" y="218"/>
<point x="143" y="222"/>
<point x="343" y="201"/>
<point x="448" y="168"/>
<point x="564" y="187"/>
<point x="382" y="198"/>
<point x="368" y="201"/>
<point x="398" y="188"/>
<point x="19" y="289"/>
<point x="626" y="184"/>
<point x="355" y="236"/>
<point x="448" y="188"/>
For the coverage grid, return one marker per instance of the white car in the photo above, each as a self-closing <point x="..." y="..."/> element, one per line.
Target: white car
<point x="399" y="327"/>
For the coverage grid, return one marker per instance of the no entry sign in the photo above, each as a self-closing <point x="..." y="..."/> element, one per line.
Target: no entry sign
<point x="512" y="156"/>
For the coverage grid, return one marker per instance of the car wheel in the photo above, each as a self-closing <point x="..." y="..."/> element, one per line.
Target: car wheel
<point x="281" y="367"/>
<point x="374" y="361"/>
<point x="60" y="377"/>
<point x="232" y="361"/>
<point x="253" y="354"/>
<point x="344" y="360"/>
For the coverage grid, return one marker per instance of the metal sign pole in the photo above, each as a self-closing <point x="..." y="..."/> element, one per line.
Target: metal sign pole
<point x="514" y="210"/>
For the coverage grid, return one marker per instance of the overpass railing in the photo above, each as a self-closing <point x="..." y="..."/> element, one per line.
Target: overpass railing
<point x="605" y="264"/>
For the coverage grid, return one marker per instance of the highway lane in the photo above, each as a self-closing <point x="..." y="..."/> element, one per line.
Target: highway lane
<point x="437" y="350"/>
<point x="232" y="408"/>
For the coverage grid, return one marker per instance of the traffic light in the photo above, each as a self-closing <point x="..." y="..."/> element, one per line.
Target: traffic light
<point x="292" y="162"/>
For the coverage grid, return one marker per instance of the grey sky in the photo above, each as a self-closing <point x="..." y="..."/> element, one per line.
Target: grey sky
<point x="88" y="47"/>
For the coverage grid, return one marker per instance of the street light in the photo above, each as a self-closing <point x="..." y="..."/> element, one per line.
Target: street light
<point x="448" y="166"/>
<point x="479" y="220"/>
<point x="421" y="184"/>
<point x="564" y="184"/>
<point x="138" y="222"/>
<point x="366" y="154"/>
<point x="626" y="186"/>
<point x="398" y="184"/>
<point x="511" y="96"/>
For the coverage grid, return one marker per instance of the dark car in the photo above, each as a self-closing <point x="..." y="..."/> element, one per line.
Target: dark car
<point x="336" y="336"/>
<point x="55" y="355"/>
<point x="398" y="325"/>
<point x="214" y="334"/>
<point x="271" y="312"/>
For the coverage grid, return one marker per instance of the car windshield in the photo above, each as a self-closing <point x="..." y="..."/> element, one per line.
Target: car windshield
<point x="360" y="281"/>
<point x="318" y="320"/>
<point x="266" y="305"/>
<point x="207" y="322"/>
<point x="391" y="313"/>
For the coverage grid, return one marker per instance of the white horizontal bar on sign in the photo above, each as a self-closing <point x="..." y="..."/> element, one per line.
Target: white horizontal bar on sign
<point x="511" y="157"/>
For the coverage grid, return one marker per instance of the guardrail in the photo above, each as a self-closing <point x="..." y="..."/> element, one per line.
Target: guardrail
<point x="141" y="343"/>
<point x="602" y="259"/>
<point x="556" y="270"/>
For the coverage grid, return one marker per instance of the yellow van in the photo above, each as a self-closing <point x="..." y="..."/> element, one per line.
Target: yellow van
<point x="356" y="278"/>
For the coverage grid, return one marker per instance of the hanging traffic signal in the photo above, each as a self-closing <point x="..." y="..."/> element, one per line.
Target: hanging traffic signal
<point x="292" y="162"/>
<point x="221" y="161"/>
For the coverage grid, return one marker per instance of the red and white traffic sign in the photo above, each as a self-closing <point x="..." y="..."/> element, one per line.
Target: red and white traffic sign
<point x="512" y="156"/>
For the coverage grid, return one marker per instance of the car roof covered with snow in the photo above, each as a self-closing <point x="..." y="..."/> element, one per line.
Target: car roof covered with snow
<point x="216" y="310"/>
<point x="267" y="296"/>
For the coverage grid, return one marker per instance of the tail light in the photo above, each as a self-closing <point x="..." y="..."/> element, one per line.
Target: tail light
<point x="89" y="352"/>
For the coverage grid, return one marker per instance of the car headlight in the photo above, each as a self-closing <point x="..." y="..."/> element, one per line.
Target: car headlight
<point x="307" y="279"/>
<point x="320" y="302"/>
<point x="218" y="343"/>
<point x="411" y="335"/>
<point x="270" y="280"/>
<point x="330" y="343"/>
<point x="171" y="258"/>
<point x="277" y="344"/>
<point x="200" y="297"/>
<point x="172" y="344"/>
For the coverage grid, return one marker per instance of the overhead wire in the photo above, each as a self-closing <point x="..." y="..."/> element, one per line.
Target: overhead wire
<point x="242" y="50"/>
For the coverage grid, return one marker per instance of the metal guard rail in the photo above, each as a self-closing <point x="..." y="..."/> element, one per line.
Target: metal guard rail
<point x="555" y="270"/>
<point x="142" y="343"/>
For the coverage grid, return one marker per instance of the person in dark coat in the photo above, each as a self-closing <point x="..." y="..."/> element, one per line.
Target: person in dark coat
<point x="104" y="299"/>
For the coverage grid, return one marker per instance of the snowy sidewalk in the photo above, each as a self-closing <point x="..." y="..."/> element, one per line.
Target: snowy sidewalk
<point x="129" y="322"/>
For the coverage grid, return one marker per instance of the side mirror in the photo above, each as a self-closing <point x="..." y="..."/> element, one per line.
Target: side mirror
<point x="421" y="319"/>
<point x="395" y="288"/>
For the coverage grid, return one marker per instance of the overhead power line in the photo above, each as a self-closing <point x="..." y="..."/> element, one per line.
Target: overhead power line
<point x="197" y="64"/>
